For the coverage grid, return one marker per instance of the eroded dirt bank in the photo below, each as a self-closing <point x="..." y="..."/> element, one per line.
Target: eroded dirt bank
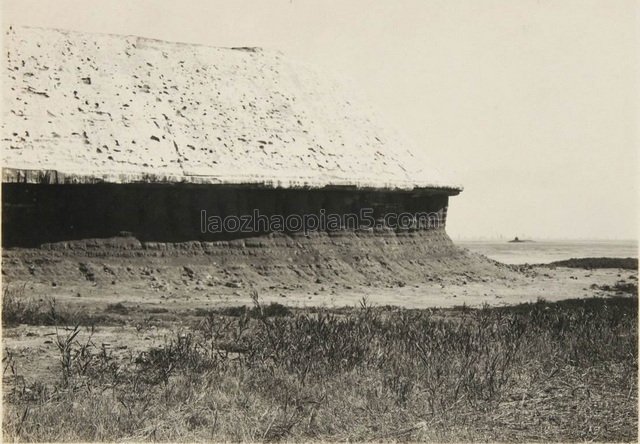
<point x="411" y="269"/>
<point x="276" y="264"/>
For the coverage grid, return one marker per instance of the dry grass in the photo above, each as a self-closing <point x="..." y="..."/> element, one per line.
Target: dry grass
<point x="17" y="308"/>
<point x="547" y="371"/>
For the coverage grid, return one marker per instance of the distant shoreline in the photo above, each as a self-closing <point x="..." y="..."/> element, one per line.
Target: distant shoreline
<point x="568" y="241"/>
<point x="545" y="252"/>
<point x="627" y="263"/>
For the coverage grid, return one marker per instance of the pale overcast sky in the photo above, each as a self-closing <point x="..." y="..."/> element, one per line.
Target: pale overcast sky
<point x="533" y="105"/>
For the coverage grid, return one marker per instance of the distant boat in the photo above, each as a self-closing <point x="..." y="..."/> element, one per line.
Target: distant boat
<point x="518" y="240"/>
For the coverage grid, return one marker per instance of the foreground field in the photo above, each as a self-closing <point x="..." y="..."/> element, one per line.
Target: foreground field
<point x="560" y="371"/>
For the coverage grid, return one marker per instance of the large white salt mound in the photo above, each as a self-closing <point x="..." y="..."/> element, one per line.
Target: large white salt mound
<point x="84" y="107"/>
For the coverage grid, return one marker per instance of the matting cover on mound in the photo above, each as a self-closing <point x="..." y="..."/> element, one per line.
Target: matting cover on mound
<point x="82" y="108"/>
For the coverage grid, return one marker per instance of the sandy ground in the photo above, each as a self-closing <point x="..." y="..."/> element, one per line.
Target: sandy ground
<point x="536" y="282"/>
<point x="158" y="315"/>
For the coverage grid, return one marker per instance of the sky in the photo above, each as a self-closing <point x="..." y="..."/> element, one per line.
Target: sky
<point x="532" y="105"/>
